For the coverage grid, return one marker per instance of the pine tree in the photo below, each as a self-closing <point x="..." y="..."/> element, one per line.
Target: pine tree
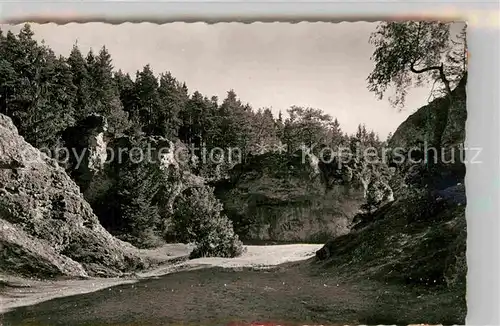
<point x="137" y="189"/>
<point x="105" y="98"/>
<point x="211" y="122"/>
<point x="173" y="98"/>
<point x="264" y="133"/>
<point x="191" y="130"/>
<point x="8" y="74"/>
<point x="146" y="90"/>
<point x="58" y="113"/>
<point x="336" y="135"/>
<point x="36" y="89"/>
<point x="139" y="182"/>
<point x="235" y="124"/>
<point x="82" y="81"/>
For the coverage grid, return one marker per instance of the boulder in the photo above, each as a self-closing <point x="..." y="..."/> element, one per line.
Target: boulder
<point x="25" y="255"/>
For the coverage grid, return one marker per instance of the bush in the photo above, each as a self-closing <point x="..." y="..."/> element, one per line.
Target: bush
<point x="197" y="218"/>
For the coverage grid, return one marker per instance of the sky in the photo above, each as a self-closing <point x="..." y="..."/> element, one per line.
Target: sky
<point x="275" y="65"/>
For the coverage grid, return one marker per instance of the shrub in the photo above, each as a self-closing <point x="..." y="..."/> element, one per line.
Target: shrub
<point x="197" y="218"/>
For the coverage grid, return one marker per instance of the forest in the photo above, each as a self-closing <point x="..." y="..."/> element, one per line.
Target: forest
<point x="47" y="95"/>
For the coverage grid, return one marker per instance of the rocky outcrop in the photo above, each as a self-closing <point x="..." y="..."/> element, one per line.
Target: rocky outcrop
<point x="86" y="145"/>
<point x="420" y="237"/>
<point x="47" y="226"/>
<point x="413" y="138"/>
<point x="286" y="198"/>
<point x="369" y="174"/>
<point x="23" y="254"/>
<point x="419" y="127"/>
<point x="153" y="168"/>
<point x="175" y="163"/>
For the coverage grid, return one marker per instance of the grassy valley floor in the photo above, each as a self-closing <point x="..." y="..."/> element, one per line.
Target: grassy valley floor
<point x="294" y="293"/>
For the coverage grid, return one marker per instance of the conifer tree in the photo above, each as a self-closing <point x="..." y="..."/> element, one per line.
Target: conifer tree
<point x="148" y="108"/>
<point x="82" y="81"/>
<point x="36" y="88"/>
<point x="173" y="98"/>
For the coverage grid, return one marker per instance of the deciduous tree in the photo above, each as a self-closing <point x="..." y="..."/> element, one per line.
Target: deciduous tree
<point x="409" y="54"/>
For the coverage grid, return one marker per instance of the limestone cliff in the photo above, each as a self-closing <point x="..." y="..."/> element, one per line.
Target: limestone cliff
<point x="152" y="169"/>
<point x="416" y="133"/>
<point x="289" y="198"/>
<point x="47" y="226"/>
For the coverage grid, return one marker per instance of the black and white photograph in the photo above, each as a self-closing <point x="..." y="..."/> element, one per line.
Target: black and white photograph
<point x="233" y="174"/>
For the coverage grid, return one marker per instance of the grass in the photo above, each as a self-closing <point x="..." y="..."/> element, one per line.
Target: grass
<point x="294" y="293"/>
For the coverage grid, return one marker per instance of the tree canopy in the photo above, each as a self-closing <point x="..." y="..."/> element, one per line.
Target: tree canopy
<point x="45" y="94"/>
<point x="411" y="53"/>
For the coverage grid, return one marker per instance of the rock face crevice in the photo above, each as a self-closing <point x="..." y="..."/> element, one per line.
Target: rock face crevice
<point x="44" y="215"/>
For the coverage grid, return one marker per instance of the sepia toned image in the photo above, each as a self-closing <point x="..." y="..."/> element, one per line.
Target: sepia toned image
<point x="233" y="174"/>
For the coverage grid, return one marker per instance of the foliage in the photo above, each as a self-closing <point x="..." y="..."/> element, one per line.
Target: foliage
<point x="45" y="95"/>
<point x="306" y="127"/>
<point x="139" y="182"/>
<point x="198" y="219"/>
<point x="410" y="53"/>
<point x="36" y="88"/>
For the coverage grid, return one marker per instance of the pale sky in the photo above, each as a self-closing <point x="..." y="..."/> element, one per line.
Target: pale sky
<point x="277" y="65"/>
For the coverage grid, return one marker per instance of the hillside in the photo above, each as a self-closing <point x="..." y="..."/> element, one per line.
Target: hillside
<point x="420" y="238"/>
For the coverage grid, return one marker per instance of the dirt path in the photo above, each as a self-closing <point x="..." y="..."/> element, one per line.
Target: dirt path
<point x="242" y="290"/>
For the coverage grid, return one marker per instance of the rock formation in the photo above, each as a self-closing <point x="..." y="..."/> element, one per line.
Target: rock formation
<point x="47" y="226"/>
<point x="86" y="146"/>
<point x="415" y="133"/>
<point x="285" y="198"/>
